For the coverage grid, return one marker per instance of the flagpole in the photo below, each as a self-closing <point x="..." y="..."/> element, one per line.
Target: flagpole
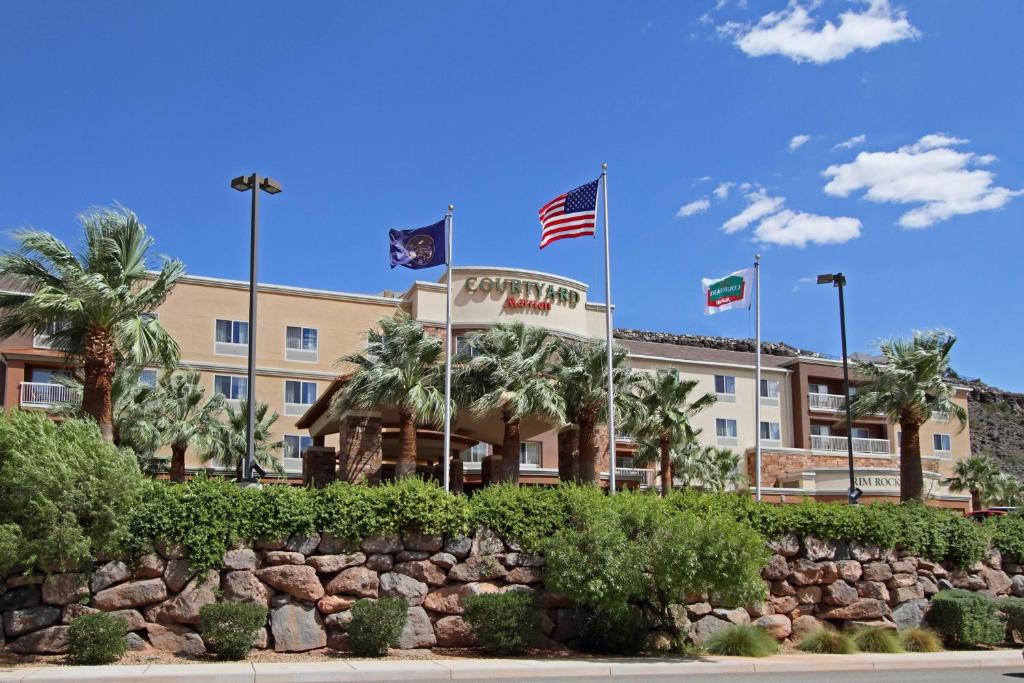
<point x="608" y="335"/>
<point x="449" y="219"/>
<point x="757" y="374"/>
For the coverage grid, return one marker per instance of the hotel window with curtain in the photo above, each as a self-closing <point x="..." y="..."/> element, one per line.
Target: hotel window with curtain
<point x="942" y="443"/>
<point x="232" y="338"/>
<point x="230" y="387"/>
<point x="529" y="453"/>
<point x="771" y="431"/>
<point x="770" y="392"/>
<point x="301" y="343"/>
<point x="296" y="444"/>
<point x="298" y="396"/>
<point x="725" y="388"/>
<point x="476" y="453"/>
<point x="726" y="431"/>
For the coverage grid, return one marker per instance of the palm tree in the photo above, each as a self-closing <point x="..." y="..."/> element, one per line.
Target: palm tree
<point x="664" y="425"/>
<point x="187" y="418"/>
<point x="907" y="385"/>
<point x="509" y="373"/>
<point x="719" y="468"/>
<point x="977" y="474"/>
<point x="1007" y="490"/>
<point x="229" y="448"/>
<point x="398" y="368"/>
<point x="582" y="381"/>
<point x="96" y="304"/>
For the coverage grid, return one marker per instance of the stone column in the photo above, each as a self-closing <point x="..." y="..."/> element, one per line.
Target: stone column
<point x="569" y="453"/>
<point x="319" y="466"/>
<point x="601" y="459"/>
<point x="360" y="455"/>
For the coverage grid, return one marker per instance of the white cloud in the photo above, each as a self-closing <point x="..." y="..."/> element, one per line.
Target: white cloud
<point x="850" y="143"/>
<point x="795" y="229"/>
<point x="703" y="179"/>
<point x="697" y="206"/>
<point x="759" y="205"/>
<point x="798" y="141"/>
<point x="722" y="191"/>
<point x="794" y="33"/>
<point x="803" y="281"/>
<point x="942" y="180"/>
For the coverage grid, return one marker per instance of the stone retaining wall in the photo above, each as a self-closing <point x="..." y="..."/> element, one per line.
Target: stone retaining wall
<point x="309" y="584"/>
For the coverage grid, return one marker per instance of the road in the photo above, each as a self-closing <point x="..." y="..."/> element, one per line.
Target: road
<point x="975" y="675"/>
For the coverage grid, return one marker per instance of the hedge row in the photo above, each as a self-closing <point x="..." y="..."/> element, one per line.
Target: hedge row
<point x="66" y="497"/>
<point x="208" y="515"/>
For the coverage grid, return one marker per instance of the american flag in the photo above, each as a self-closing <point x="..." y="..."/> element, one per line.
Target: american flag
<point x="572" y="214"/>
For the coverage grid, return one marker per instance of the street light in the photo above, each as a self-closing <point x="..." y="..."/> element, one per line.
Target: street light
<point x="838" y="280"/>
<point x="254" y="183"/>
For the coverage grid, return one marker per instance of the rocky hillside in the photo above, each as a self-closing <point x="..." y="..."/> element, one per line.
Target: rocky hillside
<point x="997" y="416"/>
<point x="997" y="425"/>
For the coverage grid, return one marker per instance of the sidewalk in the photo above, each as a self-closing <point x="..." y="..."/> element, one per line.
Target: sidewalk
<point x="456" y="669"/>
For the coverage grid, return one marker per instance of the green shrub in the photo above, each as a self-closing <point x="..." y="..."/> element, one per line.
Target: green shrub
<point x="877" y="639"/>
<point x="1013" y="609"/>
<point x="230" y="628"/>
<point x="1008" y="534"/>
<point x="376" y="625"/>
<point x="827" y="641"/>
<point x="67" y="491"/>
<point x="504" y="623"/>
<point x="621" y="631"/>
<point x="920" y="640"/>
<point x="742" y="640"/>
<point x="96" y="638"/>
<point x="966" y="619"/>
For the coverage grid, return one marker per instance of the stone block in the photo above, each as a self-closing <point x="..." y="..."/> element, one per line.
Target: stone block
<point x="297" y="627"/>
<point x="131" y="594"/>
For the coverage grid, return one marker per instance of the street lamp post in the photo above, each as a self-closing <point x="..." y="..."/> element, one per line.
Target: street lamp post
<point x="253" y="183"/>
<point x="838" y="280"/>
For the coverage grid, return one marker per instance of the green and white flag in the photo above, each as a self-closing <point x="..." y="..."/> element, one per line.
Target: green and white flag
<point x="731" y="291"/>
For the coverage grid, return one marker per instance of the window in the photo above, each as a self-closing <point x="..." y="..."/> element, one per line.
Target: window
<point x="861" y="433"/>
<point x="44" y="376"/>
<point x="230" y="387"/>
<point x="298" y="396"/>
<point x="771" y="431"/>
<point x="817" y="388"/>
<point x="296" y="444"/>
<point x="770" y="388"/>
<point x="725" y="428"/>
<point x="941" y="443"/>
<point x="625" y="462"/>
<point x="301" y="343"/>
<point x="475" y="454"/>
<point x="148" y="378"/>
<point x="45" y="339"/>
<point x="233" y="331"/>
<point x="529" y="453"/>
<point x="725" y="384"/>
<point x="820" y="430"/>
<point x="232" y="338"/>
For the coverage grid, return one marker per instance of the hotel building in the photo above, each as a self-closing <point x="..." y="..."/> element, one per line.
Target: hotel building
<point x="302" y="332"/>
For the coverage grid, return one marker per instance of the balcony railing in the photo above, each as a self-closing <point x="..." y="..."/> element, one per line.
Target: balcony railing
<point x="838" y="444"/>
<point x="644" y="476"/>
<point x="45" y="395"/>
<point x="817" y="401"/>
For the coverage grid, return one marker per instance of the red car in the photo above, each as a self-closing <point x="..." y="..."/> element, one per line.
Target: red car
<point x="982" y="515"/>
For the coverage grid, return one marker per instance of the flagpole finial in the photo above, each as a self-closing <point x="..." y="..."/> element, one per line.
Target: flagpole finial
<point x="604" y="167"/>
<point x="757" y="257"/>
<point x="451" y="207"/>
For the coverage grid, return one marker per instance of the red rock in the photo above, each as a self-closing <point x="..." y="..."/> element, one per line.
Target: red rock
<point x="52" y="640"/>
<point x="332" y="604"/>
<point x="150" y="566"/>
<point x="62" y="589"/>
<point x="525" y="575"/>
<point x="355" y="581"/>
<point x="175" y="638"/>
<point x="202" y="590"/>
<point x="478" y="568"/>
<point x="75" y="609"/>
<point x="839" y="593"/>
<point x="806" y="572"/>
<point x="448" y="599"/>
<point x="873" y="589"/>
<point x="331" y="564"/>
<point x="423" y="570"/>
<point x="808" y="595"/>
<point x="243" y="586"/>
<point x="453" y="631"/>
<point x="849" y="570"/>
<point x="804" y="625"/>
<point x="132" y="594"/>
<point x="777" y="569"/>
<point x="276" y="558"/>
<point x="876" y="571"/>
<point x="865" y="608"/>
<point x="776" y="624"/>
<point x="176" y="575"/>
<point x="299" y="581"/>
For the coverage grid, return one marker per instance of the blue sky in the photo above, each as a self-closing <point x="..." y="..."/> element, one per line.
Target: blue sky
<point x="377" y="115"/>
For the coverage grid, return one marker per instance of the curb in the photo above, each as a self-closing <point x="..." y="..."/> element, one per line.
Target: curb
<point x="459" y="669"/>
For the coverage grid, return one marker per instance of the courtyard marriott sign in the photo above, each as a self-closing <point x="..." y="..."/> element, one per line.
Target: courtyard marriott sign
<point x="525" y="293"/>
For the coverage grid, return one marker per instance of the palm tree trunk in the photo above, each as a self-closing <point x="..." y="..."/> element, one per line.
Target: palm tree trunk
<point x="178" y="462"/>
<point x="406" y="465"/>
<point x="99" y="363"/>
<point x="666" y="467"/>
<point x="510" y="452"/>
<point x="975" y="500"/>
<point x="911" y="474"/>
<point x="588" y="452"/>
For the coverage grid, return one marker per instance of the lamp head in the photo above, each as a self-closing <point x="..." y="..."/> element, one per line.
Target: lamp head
<point x="270" y="186"/>
<point x="826" y="279"/>
<point x="242" y="183"/>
